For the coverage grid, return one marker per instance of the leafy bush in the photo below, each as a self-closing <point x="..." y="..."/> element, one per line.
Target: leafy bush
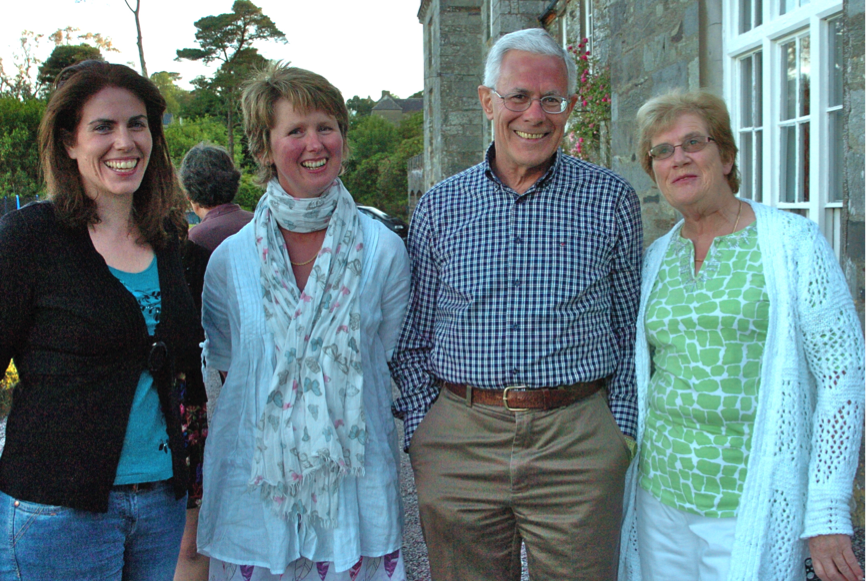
<point x="19" y="152"/>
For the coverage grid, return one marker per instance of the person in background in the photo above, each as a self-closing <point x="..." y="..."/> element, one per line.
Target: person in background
<point x="97" y="316"/>
<point x="211" y="182"/>
<point x="301" y="311"/>
<point x="750" y="373"/>
<point x="525" y="287"/>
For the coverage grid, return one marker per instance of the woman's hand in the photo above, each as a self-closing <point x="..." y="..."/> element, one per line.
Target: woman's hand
<point x="833" y="558"/>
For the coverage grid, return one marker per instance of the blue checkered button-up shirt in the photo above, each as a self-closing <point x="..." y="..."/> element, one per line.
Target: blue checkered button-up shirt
<point x="539" y="289"/>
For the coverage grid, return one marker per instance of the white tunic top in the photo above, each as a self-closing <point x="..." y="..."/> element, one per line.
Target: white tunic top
<point x="234" y="525"/>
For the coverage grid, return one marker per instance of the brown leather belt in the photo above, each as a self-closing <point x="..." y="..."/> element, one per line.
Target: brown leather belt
<point x="517" y="398"/>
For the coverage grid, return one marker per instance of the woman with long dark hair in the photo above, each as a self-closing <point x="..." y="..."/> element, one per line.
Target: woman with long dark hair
<point x="98" y="318"/>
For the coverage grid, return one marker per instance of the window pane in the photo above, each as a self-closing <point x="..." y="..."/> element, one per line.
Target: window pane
<point x="785" y="6"/>
<point x="759" y="161"/>
<point x="759" y="13"/>
<point x="745" y="15"/>
<point x="789" y="163"/>
<point x="805" y="72"/>
<point x="789" y="80"/>
<point x="746" y="164"/>
<point x="746" y="92"/>
<point x="804" y="161"/>
<point x="836" y="156"/>
<point x="759" y="89"/>
<point x="835" y="65"/>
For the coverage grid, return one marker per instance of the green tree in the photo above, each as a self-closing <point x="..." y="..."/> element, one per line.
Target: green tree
<point x="19" y="153"/>
<point x="360" y="107"/>
<point x="376" y="174"/>
<point x="63" y="56"/>
<point x="174" y="96"/>
<point x="182" y="135"/>
<point x="228" y="38"/>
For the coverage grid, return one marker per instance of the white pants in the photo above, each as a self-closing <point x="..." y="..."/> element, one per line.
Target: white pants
<point x="677" y="545"/>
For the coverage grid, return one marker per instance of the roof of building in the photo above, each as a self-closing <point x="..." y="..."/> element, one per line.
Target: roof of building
<point x="406" y="106"/>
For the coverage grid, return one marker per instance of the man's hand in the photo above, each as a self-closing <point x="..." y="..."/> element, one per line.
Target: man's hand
<point x="833" y="558"/>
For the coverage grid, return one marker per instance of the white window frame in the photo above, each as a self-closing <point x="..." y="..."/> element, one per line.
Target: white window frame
<point x="768" y="38"/>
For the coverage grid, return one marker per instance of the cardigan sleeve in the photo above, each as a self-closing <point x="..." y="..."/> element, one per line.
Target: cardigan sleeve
<point x="833" y="344"/>
<point x="18" y="280"/>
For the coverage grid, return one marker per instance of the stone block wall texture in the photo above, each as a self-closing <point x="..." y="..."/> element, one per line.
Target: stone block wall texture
<point x="853" y="218"/>
<point x="453" y="120"/>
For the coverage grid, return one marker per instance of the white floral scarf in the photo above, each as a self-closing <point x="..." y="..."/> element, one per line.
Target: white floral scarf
<point x="312" y="432"/>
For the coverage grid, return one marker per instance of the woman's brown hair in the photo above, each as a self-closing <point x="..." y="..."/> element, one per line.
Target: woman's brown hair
<point x="159" y="203"/>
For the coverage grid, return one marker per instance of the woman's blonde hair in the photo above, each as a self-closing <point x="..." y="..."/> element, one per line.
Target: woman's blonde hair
<point x="305" y="90"/>
<point x="661" y="113"/>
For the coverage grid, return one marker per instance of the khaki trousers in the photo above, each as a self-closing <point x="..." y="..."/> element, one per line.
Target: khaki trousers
<point x="488" y="478"/>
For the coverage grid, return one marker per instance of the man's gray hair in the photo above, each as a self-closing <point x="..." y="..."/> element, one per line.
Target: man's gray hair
<point x="531" y="40"/>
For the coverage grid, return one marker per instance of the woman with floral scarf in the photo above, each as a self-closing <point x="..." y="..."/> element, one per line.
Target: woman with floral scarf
<point x="301" y="311"/>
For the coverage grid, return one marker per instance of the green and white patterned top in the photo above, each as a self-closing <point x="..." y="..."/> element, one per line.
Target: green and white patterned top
<point x="708" y="333"/>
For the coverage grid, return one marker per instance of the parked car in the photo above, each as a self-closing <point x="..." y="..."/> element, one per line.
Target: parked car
<point x="392" y="222"/>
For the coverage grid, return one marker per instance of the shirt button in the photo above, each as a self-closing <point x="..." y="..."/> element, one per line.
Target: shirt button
<point x="514" y="372"/>
<point x="517" y="282"/>
<point x="518" y="240"/>
<point x="515" y="327"/>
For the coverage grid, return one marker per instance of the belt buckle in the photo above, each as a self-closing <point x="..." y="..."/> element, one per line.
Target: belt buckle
<point x="505" y="398"/>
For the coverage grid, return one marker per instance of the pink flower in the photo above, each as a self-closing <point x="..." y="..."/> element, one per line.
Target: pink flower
<point x="359" y="246"/>
<point x="338" y="423"/>
<point x="343" y="328"/>
<point x="326" y="378"/>
<point x="286" y="406"/>
<point x="305" y="298"/>
<point x="583" y="58"/>
<point x="585" y="40"/>
<point x="587" y="52"/>
<point x="297" y="477"/>
<point x="583" y="102"/>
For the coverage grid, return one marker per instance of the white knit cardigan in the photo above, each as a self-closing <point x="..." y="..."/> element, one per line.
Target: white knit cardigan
<point x="810" y="409"/>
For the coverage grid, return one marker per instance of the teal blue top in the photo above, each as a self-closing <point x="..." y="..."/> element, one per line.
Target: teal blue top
<point x="145" y="456"/>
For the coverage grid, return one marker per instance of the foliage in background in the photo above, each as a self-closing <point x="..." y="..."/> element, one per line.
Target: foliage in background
<point x="376" y="170"/>
<point x="63" y="56"/>
<point x="587" y="134"/>
<point x="174" y="96"/>
<point x="228" y="38"/>
<point x="19" y="152"/>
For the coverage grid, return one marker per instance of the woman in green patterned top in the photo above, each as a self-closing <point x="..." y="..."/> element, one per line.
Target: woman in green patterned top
<point x="745" y="332"/>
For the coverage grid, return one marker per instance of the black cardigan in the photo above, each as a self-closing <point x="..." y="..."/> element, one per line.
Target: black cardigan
<point x="80" y="343"/>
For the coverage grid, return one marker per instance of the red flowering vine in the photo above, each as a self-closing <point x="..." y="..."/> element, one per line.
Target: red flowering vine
<point x="584" y="133"/>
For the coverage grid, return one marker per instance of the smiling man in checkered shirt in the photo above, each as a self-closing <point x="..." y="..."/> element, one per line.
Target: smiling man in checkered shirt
<point x="518" y="349"/>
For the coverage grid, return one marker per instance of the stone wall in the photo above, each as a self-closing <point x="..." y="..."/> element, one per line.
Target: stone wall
<point x="654" y="47"/>
<point x="453" y="121"/>
<point x="853" y="215"/>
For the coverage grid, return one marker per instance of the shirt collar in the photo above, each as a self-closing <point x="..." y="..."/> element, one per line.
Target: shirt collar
<point x="540" y="183"/>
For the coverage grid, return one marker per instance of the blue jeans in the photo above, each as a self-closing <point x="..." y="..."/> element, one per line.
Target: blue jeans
<point x="137" y="539"/>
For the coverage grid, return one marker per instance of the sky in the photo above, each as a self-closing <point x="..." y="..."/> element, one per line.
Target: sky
<point x="362" y="47"/>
